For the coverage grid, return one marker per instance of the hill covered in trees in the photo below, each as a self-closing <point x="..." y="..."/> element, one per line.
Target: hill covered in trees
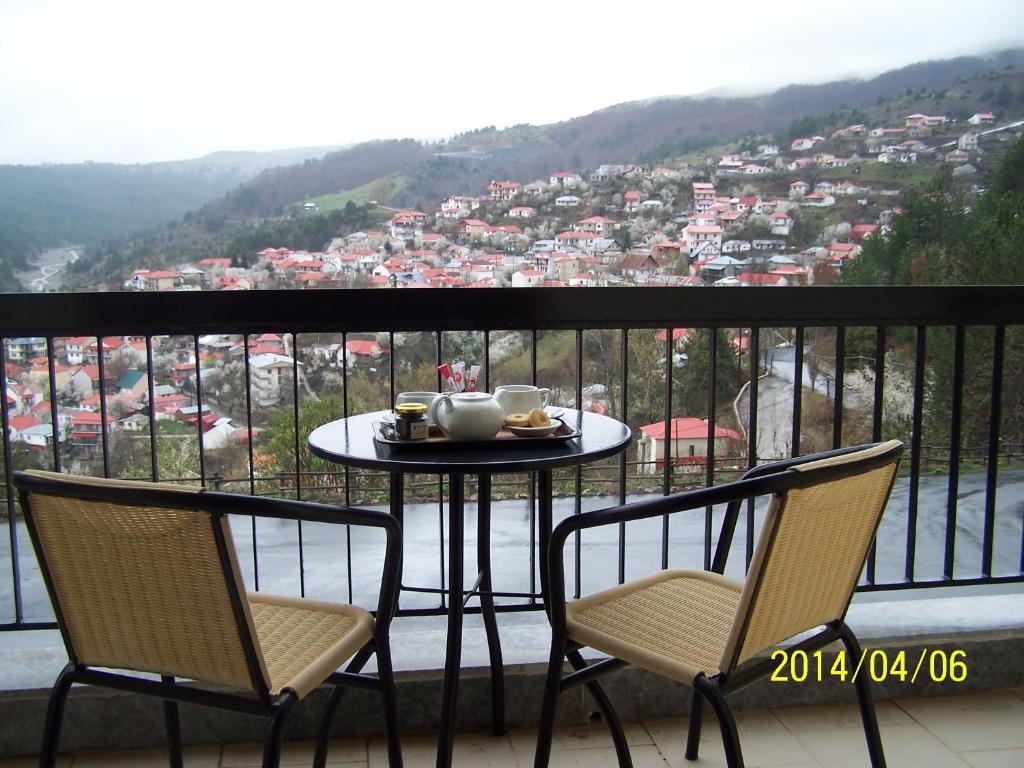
<point x="42" y="206"/>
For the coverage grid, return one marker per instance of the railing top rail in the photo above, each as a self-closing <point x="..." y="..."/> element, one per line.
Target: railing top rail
<point x="111" y="314"/>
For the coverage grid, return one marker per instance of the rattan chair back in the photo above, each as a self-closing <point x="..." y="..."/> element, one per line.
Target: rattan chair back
<point x="143" y="586"/>
<point x="811" y="550"/>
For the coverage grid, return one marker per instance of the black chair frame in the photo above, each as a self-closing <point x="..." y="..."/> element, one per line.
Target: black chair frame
<point x="276" y="708"/>
<point x="759" y="481"/>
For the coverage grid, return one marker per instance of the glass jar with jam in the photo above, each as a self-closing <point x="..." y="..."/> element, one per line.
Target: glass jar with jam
<point x="411" y="421"/>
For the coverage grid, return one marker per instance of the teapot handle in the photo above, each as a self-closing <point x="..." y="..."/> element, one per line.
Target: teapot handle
<point x="435" y="407"/>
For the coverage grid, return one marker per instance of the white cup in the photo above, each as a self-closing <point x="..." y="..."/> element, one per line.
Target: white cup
<point x="427" y="398"/>
<point x="521" y="398"/>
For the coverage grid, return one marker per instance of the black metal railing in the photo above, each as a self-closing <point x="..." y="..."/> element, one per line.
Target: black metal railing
<point x="937" y="367"/>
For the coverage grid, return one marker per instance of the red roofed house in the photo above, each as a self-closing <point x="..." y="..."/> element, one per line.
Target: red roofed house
<point x="599" y="225"/>
<point x="362" y="351"/>
<point x="503" y="190"/>
<point x="574" y="239"/>
<point x="861" y="232"/>
<point x="703" y="196"/>
<point x="473" y="228"/>
<point x="86" y="432"/>
<point x="781" y="223"/>
<point x="527" y="278"/>
<point x="407" y="223"/>
<point x="631" y="200"/>
<point x="21" y="423"/>
<point x="762" y="278"/>
<point x="690" y="438"/>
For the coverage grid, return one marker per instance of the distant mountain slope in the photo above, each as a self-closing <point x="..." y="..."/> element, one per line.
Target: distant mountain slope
<point x="639" y="132"/>
<point x="46" y="205"/>
<point x="272" y="190"/>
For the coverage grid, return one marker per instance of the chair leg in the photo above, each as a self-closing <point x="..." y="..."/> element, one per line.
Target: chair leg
<point x="387" y="691"/>
<point x="696" y="720"/>
<point x="867" y="704"/>
<point x="55" y="717"/>
<point x="546" y="727"/>
<point x="607" y="711"/>
<point x="726" y="722"/>
<point x="173" y="724"/>
<point x="324" y="735"/>
<point x="272" y="745"/>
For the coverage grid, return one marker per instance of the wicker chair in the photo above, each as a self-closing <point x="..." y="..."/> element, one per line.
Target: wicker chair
<point x="143" y="577"/>
<point x="707" y="630"/>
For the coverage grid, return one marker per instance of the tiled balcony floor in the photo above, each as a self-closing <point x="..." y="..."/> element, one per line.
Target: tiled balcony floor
<point x="984" y="730"/>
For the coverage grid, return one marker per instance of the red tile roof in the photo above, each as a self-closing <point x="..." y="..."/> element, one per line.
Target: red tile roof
<point x="687" y="428"/>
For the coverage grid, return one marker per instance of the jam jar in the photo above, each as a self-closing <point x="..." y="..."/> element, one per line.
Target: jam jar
<point x="411" y="421"/>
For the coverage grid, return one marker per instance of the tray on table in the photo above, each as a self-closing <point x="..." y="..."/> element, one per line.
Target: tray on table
<point x="384" y="432"/>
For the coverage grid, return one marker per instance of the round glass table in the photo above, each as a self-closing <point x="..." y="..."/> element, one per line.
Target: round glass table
<point x="351" y="442"/>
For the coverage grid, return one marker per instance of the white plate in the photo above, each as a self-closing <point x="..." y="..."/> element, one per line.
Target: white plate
<point x="535" y="431"/>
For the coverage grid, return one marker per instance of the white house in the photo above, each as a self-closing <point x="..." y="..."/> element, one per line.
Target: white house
<point x="690" y="438"/>
<point x="565" y="180"/>
<point x="527" y="278"/>
<point x="266" y="371"/>
<point x="781" y="223"/>
<point x="981" y="118"/>
<point x="522" y="212"/>
<point x="567" y="201"/>
<point x="968" y="142"/>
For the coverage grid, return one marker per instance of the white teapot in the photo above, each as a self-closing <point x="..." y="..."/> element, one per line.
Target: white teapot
<point x="467" y="415"/>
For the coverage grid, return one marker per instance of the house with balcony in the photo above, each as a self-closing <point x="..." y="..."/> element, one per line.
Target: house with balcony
<point x="87" y="431"/>
<point x="267" y="372"/>
<point x="155" y="280"/>
<point x="503" y="191"/>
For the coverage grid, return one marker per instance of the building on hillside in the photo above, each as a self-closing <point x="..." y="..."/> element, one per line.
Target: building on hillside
<point x="688" y="442"/>
<point x="267" y="372"/>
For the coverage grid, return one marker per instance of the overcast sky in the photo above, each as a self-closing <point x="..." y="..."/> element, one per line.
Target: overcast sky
<point x="137" y="81"/>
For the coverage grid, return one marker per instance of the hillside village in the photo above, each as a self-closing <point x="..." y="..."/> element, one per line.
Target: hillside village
<point x="766" y="216"/>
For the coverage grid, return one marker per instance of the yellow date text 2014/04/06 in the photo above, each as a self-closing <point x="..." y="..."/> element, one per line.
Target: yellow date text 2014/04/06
<point x="937" y="665"/>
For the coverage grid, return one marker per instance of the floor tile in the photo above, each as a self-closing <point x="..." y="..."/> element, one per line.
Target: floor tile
<point x="994" y="758"/>
<point x="591" y="736"/>
<point x="341" y="752"/>
<point x="838" y="716"/>
<point x="904" y="745"/>
<point x="971" y="722"/>
<point x="763" y="739"/>
<point x="471" y="750"/>
<point x="127" y="758"/>
<point x="644" y="756"/>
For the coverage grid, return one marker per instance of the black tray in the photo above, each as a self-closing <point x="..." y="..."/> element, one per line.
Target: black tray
<point x="384" y="432"/>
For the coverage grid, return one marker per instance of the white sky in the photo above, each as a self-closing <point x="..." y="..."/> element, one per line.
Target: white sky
<point x="137" y="81"/>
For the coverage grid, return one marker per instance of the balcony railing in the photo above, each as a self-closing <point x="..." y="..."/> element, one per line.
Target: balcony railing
<point x="937" y="367"/>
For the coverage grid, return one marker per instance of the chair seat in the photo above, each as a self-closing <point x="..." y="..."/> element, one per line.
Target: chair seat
<point x="673" y="622"/>
<point x="303" y="641"/>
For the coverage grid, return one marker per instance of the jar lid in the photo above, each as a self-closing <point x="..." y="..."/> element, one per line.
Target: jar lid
<point x="411" y="409"/>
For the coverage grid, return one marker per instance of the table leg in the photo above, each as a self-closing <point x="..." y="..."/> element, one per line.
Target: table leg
<point x="545" y="516"/>
<point x="453" y="652"/>
<point x="483" y="563"/>
<point x="397" y="497"/>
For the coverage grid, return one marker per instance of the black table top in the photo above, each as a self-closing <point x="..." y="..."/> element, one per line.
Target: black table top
<point x="350" y="442"/>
